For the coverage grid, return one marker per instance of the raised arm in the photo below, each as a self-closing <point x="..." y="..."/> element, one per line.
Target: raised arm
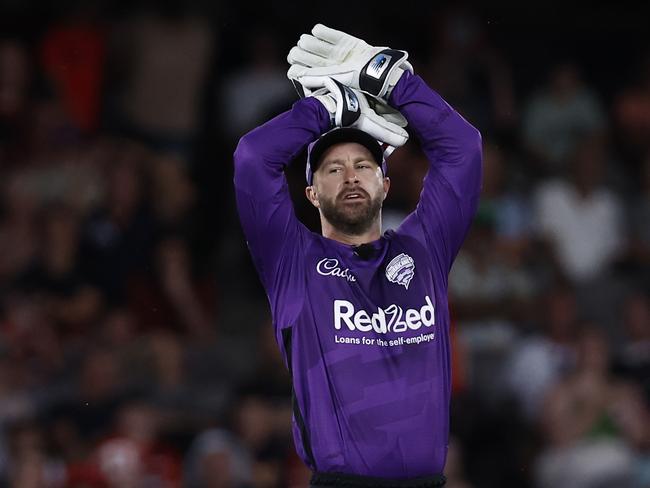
<point x="451" y="144"/>
<point x="274" y="235"/>
<point x="451" y="188"/>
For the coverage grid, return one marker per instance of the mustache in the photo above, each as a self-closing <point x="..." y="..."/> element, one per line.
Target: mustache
<point x="358" y="190"/>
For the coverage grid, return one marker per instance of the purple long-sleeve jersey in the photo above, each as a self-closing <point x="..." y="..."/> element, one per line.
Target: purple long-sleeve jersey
<point x="366" y="340"/>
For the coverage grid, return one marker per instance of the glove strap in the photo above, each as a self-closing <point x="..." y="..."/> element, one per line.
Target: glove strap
<point x="348" y="108"/>
<point x="374" y="76"/>
<point x="302" y="93"/>
<point x="387" y="149"/>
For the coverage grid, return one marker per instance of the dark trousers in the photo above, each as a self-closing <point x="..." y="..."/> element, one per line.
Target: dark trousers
<point x="338" y="480"/>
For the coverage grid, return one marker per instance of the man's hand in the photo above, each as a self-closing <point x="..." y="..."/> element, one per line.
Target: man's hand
<point x="347" y="59"/>
<point x="352" y="108"/>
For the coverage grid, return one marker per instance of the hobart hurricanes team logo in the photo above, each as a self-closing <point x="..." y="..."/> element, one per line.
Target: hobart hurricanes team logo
<point x="401" y="270"/>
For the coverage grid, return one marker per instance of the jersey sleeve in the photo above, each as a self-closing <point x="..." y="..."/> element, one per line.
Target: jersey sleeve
<point x="274" y="235"/>
<point x="451" y="187"/>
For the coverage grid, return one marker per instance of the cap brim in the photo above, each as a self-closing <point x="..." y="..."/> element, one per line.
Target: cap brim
<point x="339" y="135"/>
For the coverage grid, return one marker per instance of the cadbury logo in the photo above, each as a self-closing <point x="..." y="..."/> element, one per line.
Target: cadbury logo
<point x="330" y="267"/>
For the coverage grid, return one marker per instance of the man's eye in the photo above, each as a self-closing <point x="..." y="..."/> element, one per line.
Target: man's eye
<point x="363" y="166"/>
<point x="334" y="170"/>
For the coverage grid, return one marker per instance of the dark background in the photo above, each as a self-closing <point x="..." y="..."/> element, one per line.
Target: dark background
<point x="136" y="347"/>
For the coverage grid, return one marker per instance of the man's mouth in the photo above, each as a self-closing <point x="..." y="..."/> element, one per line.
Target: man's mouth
<point x="354" y="195"/>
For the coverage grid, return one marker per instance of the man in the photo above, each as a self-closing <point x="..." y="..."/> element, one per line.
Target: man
<point x="361" y="317"/>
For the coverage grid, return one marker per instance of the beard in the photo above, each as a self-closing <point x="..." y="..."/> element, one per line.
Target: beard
<point x="352" y="218"/>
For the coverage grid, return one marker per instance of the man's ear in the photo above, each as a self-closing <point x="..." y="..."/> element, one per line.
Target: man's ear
<point x="312" y="196"/>
<point x="386" y="186"/>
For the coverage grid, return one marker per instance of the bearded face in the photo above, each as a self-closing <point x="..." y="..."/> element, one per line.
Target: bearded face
<point x="352" y="211"/>
<point x="349" y="188"/>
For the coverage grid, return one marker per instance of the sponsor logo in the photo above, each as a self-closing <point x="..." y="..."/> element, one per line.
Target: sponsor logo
<point x="330" y="267"/>
<point x="401" y="270"/>
<point x="391" y="319"/>
<point x="378" y="65"/>
<point x="351" y="100"/>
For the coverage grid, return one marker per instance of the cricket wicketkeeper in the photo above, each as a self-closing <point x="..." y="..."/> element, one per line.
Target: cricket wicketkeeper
<point x="361" y="317"/>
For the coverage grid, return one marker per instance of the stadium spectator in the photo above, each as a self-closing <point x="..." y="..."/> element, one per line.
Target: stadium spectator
<point x="257" y="88"/>
<point x="490" y="278"/>
<point x="581" y="217"/>
<point x="217" y="459"/>
<point x="639" y="230"/>
<point x="471" y="72"/>
<point x="538" y="360"/>
<point x="73" y="57"/>
<point x="632" y="111"/>
<point x="592" y="423"/>
<point x="559" y="117"/>
<point x="633" y="358"/>
<point x="160" y="58"/>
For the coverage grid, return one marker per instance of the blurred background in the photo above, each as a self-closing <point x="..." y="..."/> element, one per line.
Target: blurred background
<point x="135" y="340"/>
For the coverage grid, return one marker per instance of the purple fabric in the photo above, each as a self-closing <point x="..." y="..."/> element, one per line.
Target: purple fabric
<point x="367" y="341"/>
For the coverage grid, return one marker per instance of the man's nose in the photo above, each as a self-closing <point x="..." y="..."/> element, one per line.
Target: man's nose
<point x="351" y="175"/>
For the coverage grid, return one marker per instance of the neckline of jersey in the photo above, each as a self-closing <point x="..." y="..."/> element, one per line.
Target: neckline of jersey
<point x="348" y="251"/>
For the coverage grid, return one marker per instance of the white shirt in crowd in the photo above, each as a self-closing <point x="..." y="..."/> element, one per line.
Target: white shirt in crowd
<point x="586" y="232"/>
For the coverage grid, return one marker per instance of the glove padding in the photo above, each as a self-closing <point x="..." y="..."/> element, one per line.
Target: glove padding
<point x="351" y="108"/>
<point x="347" y="59"/>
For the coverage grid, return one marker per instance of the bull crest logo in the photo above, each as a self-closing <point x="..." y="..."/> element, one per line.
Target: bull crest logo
<point x="401" y="270"/>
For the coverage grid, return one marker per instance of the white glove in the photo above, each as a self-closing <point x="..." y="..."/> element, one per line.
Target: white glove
<point x="353" y="62"/>
<point x="351" y="108"/>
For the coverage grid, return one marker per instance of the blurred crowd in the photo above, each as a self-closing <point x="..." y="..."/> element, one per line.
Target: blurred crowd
<point x="135" y="341"/>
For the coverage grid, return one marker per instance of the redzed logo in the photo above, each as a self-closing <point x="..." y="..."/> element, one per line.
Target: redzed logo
<point x="391" y="319"/>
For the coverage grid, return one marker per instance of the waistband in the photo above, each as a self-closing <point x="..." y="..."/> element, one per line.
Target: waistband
<point x="354" y="481"/>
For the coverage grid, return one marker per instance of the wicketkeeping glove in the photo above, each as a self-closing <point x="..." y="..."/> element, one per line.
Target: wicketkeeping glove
<point x="351" y="108"/>
<point x="347" y="59"/>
